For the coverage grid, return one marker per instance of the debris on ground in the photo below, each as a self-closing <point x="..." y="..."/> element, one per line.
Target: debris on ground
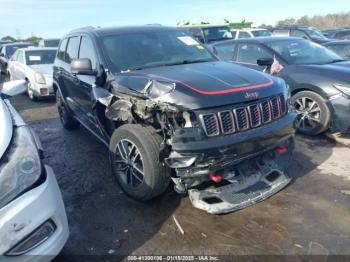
<point x="178" y="225"/>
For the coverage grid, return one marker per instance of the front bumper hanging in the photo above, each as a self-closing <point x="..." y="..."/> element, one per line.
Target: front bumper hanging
<point x="250" y="182"/>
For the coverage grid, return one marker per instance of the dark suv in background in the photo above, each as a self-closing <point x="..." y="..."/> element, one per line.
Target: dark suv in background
<point x="208" y="33"/>
<point x="309" y="33"/>
<point x="6" y="51"/>
<point x="167" y="109"/>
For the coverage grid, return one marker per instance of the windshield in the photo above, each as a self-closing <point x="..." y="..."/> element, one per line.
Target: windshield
<point x="314" y="34"/>
<point x="10" y="50"/>
<point x="52" y="43"/>
<point x="302" y="52"/>
<point x="40" y="57"/>
<point x="217" y="33"/>
<point x="131" y="51"/>
<point x="261" y="33"/>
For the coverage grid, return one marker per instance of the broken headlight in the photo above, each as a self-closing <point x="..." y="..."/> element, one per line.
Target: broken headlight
<point x="20" y="167"/>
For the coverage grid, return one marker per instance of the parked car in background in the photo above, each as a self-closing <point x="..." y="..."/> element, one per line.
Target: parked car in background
<point x="309" y="33"/>
<point x="168" y="110"/>
<point x="250" y="33"/>
<point x="338" y="33"/>
<point x="34" y="65"/>
<point x="318" y="77"/>
<point x="342" y="48"/>
<point x="53" y="42"/>
<point x="2" y="42"/>
<point x="207" y="33"/>
<point x="33" y="221"/>
<point x="6" y="51"/>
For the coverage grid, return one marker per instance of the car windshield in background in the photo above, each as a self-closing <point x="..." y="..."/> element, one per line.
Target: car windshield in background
<point x="40" y="57"/>
<point x="217" y="33"/>
<point x="52" y="43"/>
<point x="12" y="49"/>
<point x="300" y="52"/>
<point x="261" y="33"/>
<point x="132" y="51"/>
<point x="314" y="34"/>
<point x="342" y="50"/>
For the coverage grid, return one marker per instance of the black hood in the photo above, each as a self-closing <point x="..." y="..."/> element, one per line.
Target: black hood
<point x="204" y="85"/>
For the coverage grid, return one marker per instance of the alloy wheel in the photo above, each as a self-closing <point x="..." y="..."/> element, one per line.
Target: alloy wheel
<point x="309" y="113"/>
<point x="129" y="164"/>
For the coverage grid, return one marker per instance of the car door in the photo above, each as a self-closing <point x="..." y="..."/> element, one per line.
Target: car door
<point x="249" y="53"/>
<point x="86" y="84"/>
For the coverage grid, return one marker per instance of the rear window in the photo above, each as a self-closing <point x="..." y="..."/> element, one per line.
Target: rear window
<point x="51" y="43"/>
<point x="39" y="57"/>
<point x="261" y="33"/>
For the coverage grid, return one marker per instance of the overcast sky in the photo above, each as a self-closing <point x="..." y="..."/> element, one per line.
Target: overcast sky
<point x="53" y="18"/>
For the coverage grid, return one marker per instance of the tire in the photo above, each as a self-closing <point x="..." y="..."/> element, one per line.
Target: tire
<point x="143" y="144"/>
<point x="67" y="120"/>
<point x="313" y="113"/>
<point x="30" y="92"/>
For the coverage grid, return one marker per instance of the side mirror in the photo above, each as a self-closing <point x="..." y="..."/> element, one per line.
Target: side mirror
<point x="82" y="67"/>
<point x="265" y="61"/>
<point x="13" y="88"/>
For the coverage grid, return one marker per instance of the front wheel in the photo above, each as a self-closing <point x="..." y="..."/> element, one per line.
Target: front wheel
<point x="134" y="155"/>
<point x="30" y="92"/>
<point x="313" y="113"/>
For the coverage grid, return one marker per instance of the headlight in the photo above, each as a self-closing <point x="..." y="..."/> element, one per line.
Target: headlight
<point x="20" y="167"/>
<point x="39" y="78"/>
<point x="343" y="88"/>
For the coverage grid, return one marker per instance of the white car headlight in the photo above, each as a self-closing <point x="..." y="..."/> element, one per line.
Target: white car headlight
<point x="39" y="78"/>
<point x="345" y="89"/>
<point x="20" y="167"/>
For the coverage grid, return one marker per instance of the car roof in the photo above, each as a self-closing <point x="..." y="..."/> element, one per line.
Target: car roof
<point x="17" y="43"/>
<point x="45" y="39"/>
<point x="121" y="30"/>
<point x="203" y="26"/>
<point x="38" y="48"/>
<point x="261" y="40"/>
<point x="338" y="42"/>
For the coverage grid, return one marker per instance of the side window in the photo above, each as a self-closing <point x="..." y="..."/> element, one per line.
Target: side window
<point x="62" y="49"/>
<point x="20" y="57"/>
<point x="225" y="51"/>
<point x="87" y="51"/>
<point x="298" y="33"/>
<point x="72" y="49"/>
<point x="244" y="34"/>
<point x="250" y="53"/>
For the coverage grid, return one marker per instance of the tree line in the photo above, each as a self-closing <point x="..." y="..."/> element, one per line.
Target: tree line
<point x="319" y="21"/>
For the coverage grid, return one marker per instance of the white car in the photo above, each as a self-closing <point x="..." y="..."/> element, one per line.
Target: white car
<point x="33" y="221"/>
<point x="250" y="33"/>
<point x="34" y="65"/>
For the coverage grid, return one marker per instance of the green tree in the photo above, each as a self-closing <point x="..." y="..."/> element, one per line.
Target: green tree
<point x="288" y="21"/>
<point x="304" y="21"/>
<point x="33" y="39"/>
<point x="9" y="38"/>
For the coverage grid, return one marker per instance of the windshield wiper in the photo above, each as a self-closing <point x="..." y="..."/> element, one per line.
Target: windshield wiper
<point x="184" y="62"/>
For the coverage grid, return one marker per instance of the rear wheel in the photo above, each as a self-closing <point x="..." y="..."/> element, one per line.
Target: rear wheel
<point x="313" y="113"/>
<point x="30" y="92"/>
<point x="67" y="120"/>
<point x="134" y="155"/>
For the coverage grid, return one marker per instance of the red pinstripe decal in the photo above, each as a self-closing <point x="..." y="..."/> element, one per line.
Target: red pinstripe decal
<point x="220" y="92"/>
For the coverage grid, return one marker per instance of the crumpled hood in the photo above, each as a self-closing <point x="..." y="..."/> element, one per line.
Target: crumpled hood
<point x="204" y="85"/>
<point x="43" y="69"/>
<point x="6" y="127"/>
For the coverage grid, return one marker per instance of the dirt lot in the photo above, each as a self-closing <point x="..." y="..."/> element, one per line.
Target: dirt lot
<point x="311" y="216"/>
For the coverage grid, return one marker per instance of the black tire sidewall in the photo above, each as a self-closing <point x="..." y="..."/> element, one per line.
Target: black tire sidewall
<point x="148" y="147"/>
<point x="325" y="112"/>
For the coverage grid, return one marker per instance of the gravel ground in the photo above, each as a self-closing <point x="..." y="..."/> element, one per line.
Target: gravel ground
<point x="311" y="216"/>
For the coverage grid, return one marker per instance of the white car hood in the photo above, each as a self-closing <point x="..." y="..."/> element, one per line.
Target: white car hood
<point x="43" y="69"/>
<point x="6" y="127"/>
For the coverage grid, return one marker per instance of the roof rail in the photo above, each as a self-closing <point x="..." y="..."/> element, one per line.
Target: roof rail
<point x="87" y="28"/>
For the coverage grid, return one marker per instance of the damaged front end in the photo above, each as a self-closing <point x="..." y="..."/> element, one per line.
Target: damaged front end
<point x="226" y="158"/>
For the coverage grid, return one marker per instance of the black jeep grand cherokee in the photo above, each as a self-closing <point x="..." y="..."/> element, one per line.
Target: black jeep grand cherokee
<point x="169" y="110"/>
